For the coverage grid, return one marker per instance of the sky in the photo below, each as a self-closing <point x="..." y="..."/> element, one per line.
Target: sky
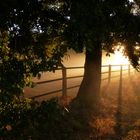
<point x="78" y="59"/>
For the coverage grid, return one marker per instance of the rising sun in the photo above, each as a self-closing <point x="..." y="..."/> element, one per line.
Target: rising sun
<point x="119" y="58"/>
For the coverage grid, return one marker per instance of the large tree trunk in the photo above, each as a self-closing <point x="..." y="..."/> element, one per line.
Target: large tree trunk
<point x="89" y="91"/>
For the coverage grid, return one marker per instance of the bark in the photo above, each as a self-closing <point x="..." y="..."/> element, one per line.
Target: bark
<point x="89" y="91"/>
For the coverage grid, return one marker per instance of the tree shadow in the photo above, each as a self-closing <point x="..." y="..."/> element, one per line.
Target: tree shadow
<point x="133" y="112"/>
<point x="118" y="127"/>
<point x="135" y="85"/>
<point x="136" y="89"/>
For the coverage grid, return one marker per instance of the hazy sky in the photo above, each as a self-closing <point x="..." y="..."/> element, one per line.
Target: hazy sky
<point x="78" y="59"/>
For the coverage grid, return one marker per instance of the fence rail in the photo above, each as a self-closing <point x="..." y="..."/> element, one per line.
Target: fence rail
<point x="110" y="70"/>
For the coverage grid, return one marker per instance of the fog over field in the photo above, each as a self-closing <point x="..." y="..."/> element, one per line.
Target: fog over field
<point x="78" y="59"/>
<point x="73" y="59"/>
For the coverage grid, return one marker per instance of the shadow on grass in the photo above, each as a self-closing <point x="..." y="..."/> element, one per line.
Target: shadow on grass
<point x="118" y="128"/>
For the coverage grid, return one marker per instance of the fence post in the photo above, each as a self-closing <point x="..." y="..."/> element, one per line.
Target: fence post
<point x="121" y="70"/>
<point x="129" y="70"/>
<point x="121" y="75"/>
<point x="109" y="73"/>
<point x="64" y="81"/>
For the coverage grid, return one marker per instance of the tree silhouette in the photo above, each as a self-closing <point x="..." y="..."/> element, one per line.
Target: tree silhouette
<point x="35" y="34"/>
<point x="97" y="25"/>
<point x="30" y="42"/>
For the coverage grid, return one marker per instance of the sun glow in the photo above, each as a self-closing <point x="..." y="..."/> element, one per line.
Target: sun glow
<point x="119" y="57"/>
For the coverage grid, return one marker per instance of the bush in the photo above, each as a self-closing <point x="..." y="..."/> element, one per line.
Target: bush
<point x="23" y="119"/>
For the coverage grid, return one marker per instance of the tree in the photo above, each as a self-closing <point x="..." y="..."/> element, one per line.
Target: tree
<point x="97" y="25"/>
<point x="32" y="39"/>
<point x="30" y="42"/>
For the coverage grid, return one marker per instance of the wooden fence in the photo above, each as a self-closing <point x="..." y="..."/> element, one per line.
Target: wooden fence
<point x="108" y="72"/>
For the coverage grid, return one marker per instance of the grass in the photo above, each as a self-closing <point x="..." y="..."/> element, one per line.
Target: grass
<point x="119" y="117"/>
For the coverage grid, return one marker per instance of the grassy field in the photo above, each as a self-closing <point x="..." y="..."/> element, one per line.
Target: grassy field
<point x="120" y="109"/>
<point x="119" y="116"/>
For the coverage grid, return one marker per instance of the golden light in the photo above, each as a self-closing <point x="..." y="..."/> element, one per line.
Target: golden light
<point x="119" y="57"/>
<point x="115" y="59"/>
<point x="137" y="47"/>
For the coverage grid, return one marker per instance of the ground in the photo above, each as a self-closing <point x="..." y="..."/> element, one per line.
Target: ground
<point x="120" y="113"/>
<point x="119" y="116"/>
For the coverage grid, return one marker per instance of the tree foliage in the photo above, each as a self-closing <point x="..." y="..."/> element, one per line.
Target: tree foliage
<point x="108" y="22"/>
<point x="101" y="24"/>
<point x="26" y="119"/>
<point x="31" y="35"/>
<point x="30" y="42"/>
